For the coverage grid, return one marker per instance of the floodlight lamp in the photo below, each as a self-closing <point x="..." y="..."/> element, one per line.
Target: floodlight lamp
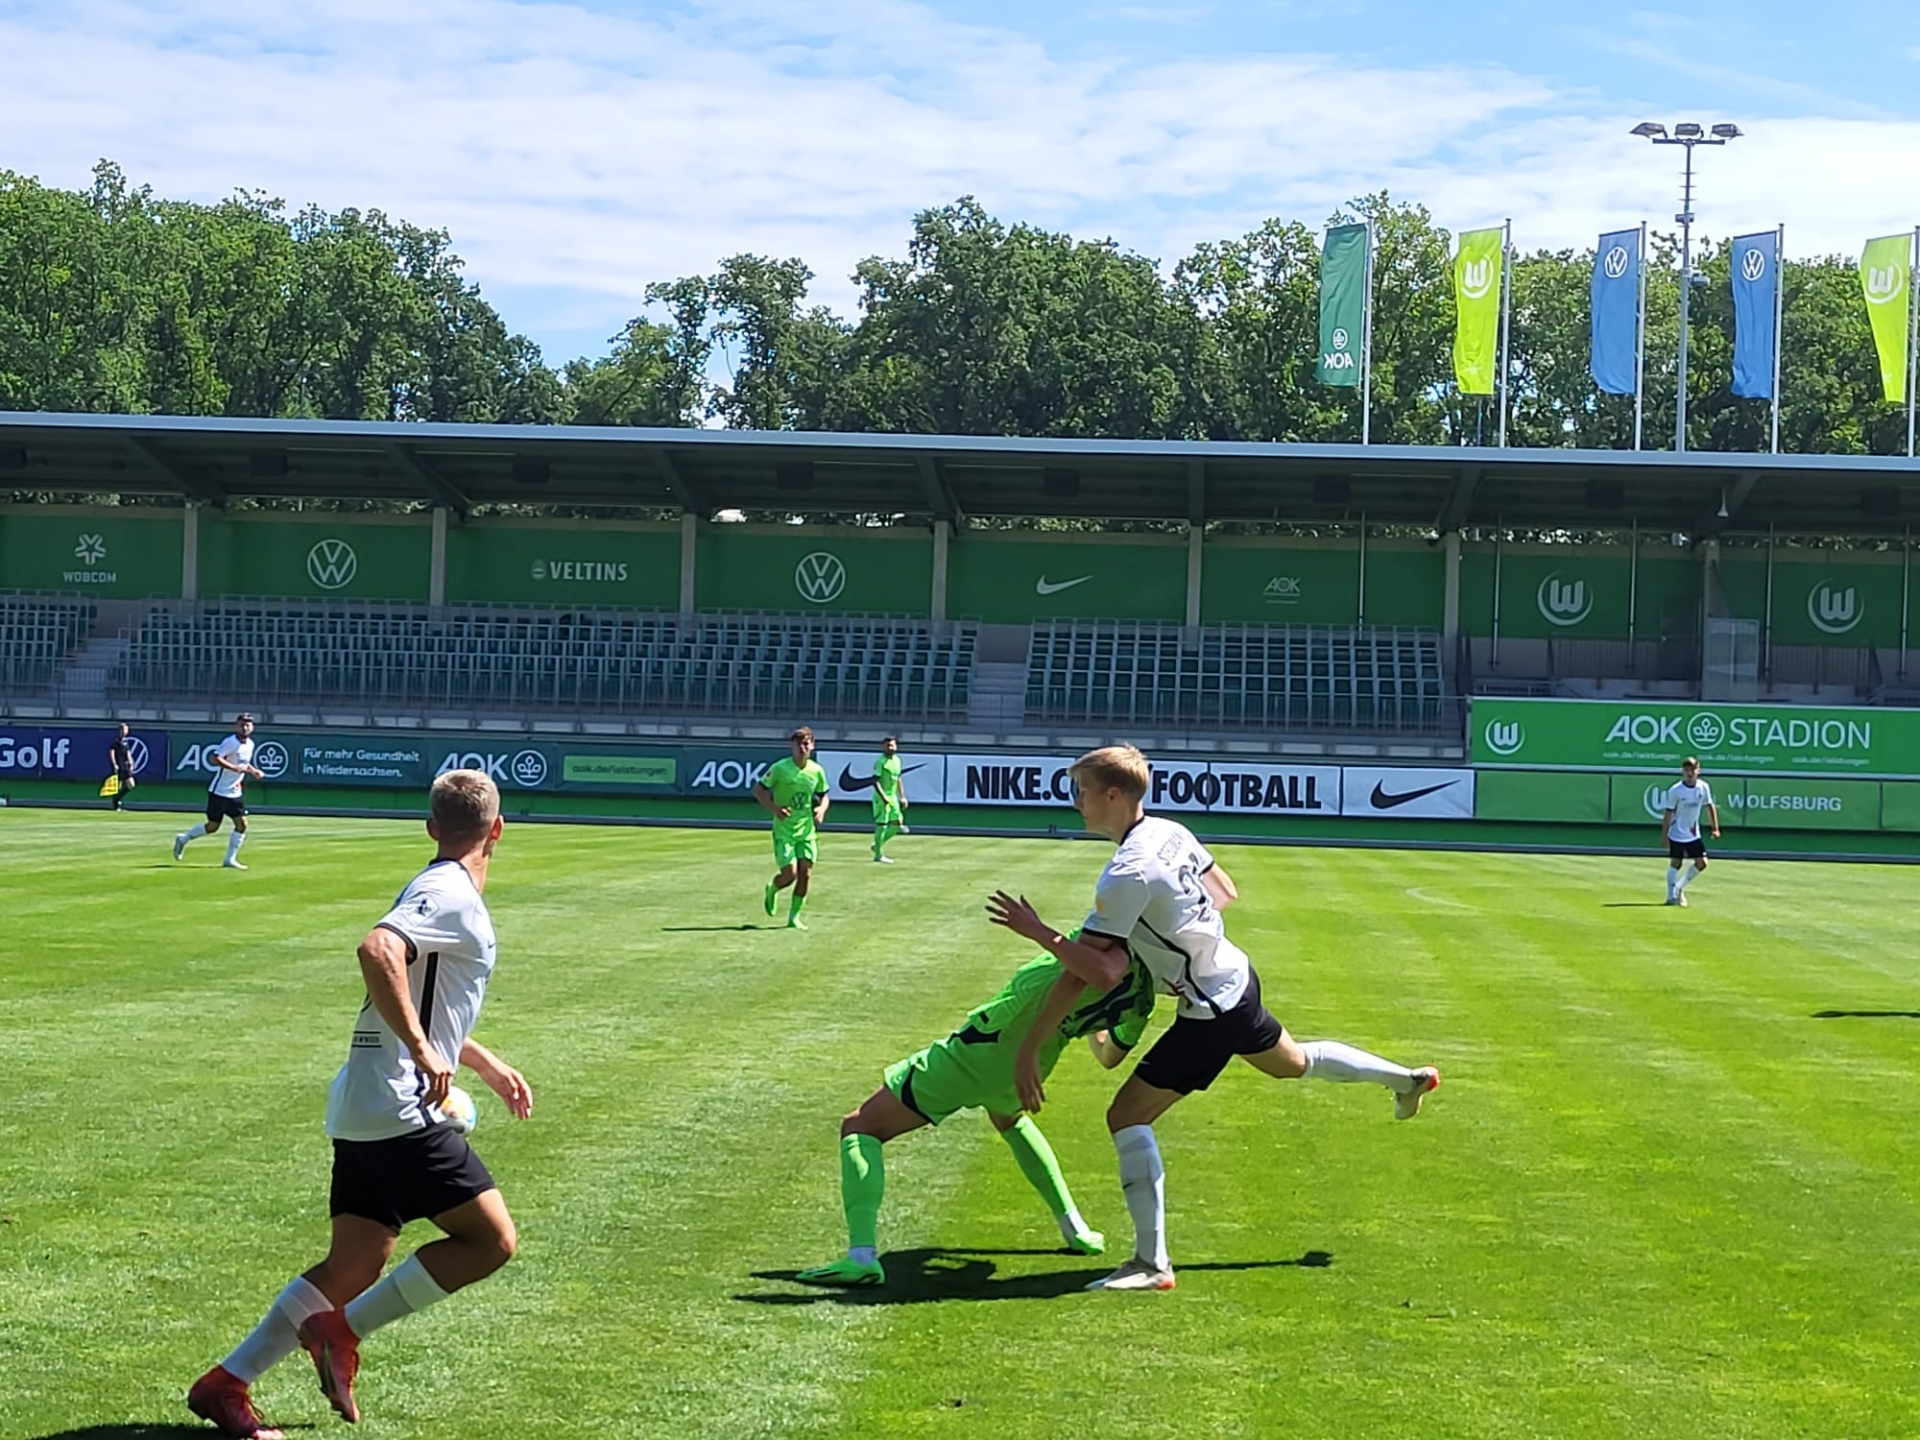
<point x="1647" y="130"/>
<point x="1727" y="132"/>
<point x="1687" y="131"/>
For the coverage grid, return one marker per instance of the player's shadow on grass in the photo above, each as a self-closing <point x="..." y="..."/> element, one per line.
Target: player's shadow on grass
<point x="708" y="929"/>
<point x="919" y="1277"/>
<point x="1633" y="905"/>
<point x="146" y="1432"/>
<point x="1866" y="1014"/>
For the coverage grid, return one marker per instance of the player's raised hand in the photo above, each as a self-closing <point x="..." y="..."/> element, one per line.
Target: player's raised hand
<point x="432" y="1064"/>
<point x="1018" y="916"/>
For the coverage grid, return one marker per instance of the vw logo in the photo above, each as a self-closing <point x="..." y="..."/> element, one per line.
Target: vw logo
<point x="1563" y="602"/>
<point x="1616" y="262"/>
<point x="137" y="753"/>
<point x="1835" y="611"/>
<point x="331" y="564"/>
<point x="1753" y="264"/>
<point x="1705" y="731"/>
<point x="271" y="759"/>
<point x="1340" y="338"/>
<point x="529" y="769"/>
<point x="819" y="577"/>
<point x="1504" y="737"/>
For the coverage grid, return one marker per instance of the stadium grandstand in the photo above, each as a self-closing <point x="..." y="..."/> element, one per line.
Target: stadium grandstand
<point x="973" y="590"/>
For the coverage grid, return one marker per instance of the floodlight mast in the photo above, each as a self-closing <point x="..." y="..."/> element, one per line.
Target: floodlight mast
<point x="1688" y="134"/>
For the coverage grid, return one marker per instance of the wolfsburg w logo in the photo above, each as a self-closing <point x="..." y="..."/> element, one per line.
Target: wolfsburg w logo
<point x="1885" y="286"/>
<point x="331" y="564"/>
<point x="1505" y="737"/>
<point x="1835" y="611"/>
<point x="1562" y="602"/>
<point x="1476" y="278"/>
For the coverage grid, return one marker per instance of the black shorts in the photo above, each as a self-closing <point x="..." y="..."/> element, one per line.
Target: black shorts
<point x="1679" y="850"/>
<point x="1193" y="1052"/>
<point x="410" y="1177"/>
<point x="221" y="807"/>
<point x="125" y="777"/>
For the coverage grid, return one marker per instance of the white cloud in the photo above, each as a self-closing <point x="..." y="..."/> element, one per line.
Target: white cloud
<point x="576" y="155"/>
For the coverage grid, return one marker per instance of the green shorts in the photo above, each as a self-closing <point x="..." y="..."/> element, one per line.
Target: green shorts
<point x="789" y="848"/>
<point x="884" y="815"/>
<point x="951" y="1075"/>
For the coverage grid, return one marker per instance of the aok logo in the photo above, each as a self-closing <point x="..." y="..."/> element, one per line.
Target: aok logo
<point x="1340" y="357"/>
<point x="1615" y="265"/>
<point x="1283" y="590"/>
<point x="731" y="775"/>
<point x="331" y="564"/>
<point x="1476" y="278"/>
<point x="1505" y="737"/>
<point x="819" y="577"/>
<point x="1564" y="602"/>
<point x="1706" y="731"/>
<point x="1835" y="611"/>
<point x="526" y="770"/>
<point x="1885" y="286"/>
<point x="270" y="760"/>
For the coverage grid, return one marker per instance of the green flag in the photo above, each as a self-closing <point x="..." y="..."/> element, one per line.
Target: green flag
<point x="1343" y="304"/>
<point x="1885" y="272"/>
<point x="1476" y="288"/>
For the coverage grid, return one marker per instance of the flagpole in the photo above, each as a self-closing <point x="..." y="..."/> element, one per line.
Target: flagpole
<point x="1506" y="312"/>
<point x="1366" y="348"/>
<point x="1640" y="344"/>
<point x="1779" y="318"/>
<point x="1913" y="332"/>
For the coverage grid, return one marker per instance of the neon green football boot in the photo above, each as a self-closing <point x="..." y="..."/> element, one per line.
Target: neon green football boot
<point x="844" y="1271"/>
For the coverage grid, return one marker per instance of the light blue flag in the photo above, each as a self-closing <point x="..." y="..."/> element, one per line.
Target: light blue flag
<point x="1756" y="277"/>
<point x="1616" y="312"/>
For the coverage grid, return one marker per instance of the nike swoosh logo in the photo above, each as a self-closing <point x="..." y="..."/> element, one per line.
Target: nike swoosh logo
<point x="851" y="781"/>
<point x="1041" y="587"/>
<point x="1382" y="799"/>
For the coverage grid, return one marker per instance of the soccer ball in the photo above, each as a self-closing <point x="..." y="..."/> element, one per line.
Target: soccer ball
<point x="459" y="1111"/>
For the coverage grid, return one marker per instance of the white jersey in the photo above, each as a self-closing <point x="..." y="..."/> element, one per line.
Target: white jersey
<point x="1686" y="802"/>
<point x="1150" y="897"/>
<point x="227" y="782"/>
<point x="450" y="945"/>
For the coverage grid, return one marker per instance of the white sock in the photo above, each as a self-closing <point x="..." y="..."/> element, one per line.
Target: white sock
<point x="194" y="834"/>
<point x="1330" y="1060"/>
<point x="1687" y="877"/>
<point x="1071" y="1224"/>
<point x="1674" y="882"/>
<point x="1143" y="1179"/>
<point x="407" y="1288"/>
<point x="274" y="1338"/>
<point x="863" y="1254"/>
<point x="234" y="842"/>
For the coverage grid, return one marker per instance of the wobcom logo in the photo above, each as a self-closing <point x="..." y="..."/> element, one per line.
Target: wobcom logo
<point x="1835" y="611"/>
<point x="1505" y="737"/>
<point x="1563" y="603"/>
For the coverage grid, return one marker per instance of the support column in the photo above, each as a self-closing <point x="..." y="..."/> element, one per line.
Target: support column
<point x="1196" y="538"/>
<point x="1450" y="597"/>
<point x="942" y="537"/>
<point x="437" y="565"/>
<point x="689" y="545"/>
<point x="190" y="552"/>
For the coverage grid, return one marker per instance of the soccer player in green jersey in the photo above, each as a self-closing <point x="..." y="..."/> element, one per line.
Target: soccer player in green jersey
<point x="794" y="792"/>
<point x="996" y="1061"/>
<point x="889" y="799"/>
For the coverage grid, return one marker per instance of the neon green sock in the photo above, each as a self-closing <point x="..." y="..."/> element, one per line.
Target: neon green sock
<point x="863" y="1181"/>
<point x="1037" y="1163"/>
<point x="799" y="904"/>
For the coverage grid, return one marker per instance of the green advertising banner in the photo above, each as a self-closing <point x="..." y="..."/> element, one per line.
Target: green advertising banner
<point x="1406" y="584"/>
<point x="309" y="758"/>
<point x="517" y="764"/>
<point x="1642" y="799"/>
<point x="1476" y="290"/>
<point x="1826" y="603"/>
<point x="1011" y="579"/>
<point x="1567" y="798"/>
<point x="565" y="563"/>
<point x="1588" y="592"/>
<point x="1343" y="304"/>
<point x="1767" y="803"/>
<point x="814" y="567"/>
<point x="329" y="557"/>
<point x="1657" y="735"/>
<point x="1269" y="583"/>
<point x="1900" y="806"/>
<point x="1886" y="267"/>
<point x="127" y="553"/>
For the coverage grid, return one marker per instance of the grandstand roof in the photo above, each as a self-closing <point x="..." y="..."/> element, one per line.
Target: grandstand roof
<point x="952" y="476"/>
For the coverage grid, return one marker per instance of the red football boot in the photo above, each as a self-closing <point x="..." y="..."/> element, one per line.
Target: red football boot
<point x="221" y="1397"/>
<point x="336" y="1355"/>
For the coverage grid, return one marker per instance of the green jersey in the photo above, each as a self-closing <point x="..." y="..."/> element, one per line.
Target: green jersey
<point x="886" y="784"/>
<point x="1005" y="1019"/>
<point x="796" y="789"/>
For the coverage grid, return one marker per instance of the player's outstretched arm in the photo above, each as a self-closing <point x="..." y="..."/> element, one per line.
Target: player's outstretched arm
<point x="383" y="964"/>
<point x="501" y="1078"/>
<point x="1027" y="1081"/>
<point x="1219" y="885"/>
<point x="1098" y="960"/>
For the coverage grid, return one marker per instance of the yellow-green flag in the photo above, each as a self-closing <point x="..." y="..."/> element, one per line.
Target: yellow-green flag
<point x="1886" y="270"/>
<point x="1476" y="288"/>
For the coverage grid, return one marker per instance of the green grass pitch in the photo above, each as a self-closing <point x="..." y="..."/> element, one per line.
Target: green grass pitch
<point x="1664" y="1191"/>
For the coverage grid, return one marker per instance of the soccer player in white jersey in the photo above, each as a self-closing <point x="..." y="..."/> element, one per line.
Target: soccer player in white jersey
<point x="232" y="764"/>
<point x="1159" y="899"/>
<point x="1681" y="825"/>
<point x="395" y="1157"/>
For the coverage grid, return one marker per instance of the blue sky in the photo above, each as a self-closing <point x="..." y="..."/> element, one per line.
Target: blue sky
<point x="579" y="150"/>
